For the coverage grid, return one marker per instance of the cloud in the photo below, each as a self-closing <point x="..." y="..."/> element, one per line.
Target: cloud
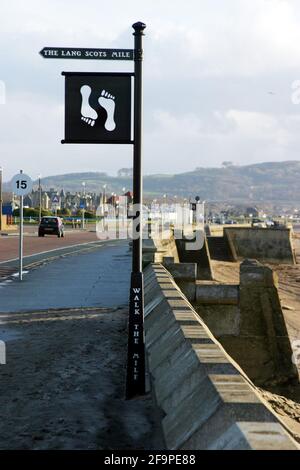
<point x="237" y="135"/>
<point x="232" y="38"/>
<point x="209" y="68"/>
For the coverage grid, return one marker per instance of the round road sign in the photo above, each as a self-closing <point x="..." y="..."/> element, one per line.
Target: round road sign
<point x="21" y="184"/>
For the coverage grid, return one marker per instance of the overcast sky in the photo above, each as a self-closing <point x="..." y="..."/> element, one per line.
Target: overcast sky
<point x="217" y="83"/>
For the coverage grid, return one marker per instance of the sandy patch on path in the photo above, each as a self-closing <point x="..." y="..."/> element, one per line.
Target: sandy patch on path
<point x="63" y="384"/>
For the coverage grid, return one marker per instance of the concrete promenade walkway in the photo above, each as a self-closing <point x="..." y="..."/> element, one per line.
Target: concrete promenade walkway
<point x="99" y="278"/>
<point x="63" y="383"/>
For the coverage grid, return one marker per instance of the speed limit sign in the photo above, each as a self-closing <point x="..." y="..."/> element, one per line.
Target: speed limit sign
<point x="21" y="184"/>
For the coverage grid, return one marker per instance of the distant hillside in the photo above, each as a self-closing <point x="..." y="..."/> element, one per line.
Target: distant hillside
<point x="269" y="182"/>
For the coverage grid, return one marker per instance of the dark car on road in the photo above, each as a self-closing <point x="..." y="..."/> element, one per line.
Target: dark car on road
<point x="51" y="226"/>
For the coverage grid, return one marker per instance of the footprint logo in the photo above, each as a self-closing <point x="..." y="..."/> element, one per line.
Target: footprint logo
<point x="107" y="101"/>
<point x="88" y="114"/>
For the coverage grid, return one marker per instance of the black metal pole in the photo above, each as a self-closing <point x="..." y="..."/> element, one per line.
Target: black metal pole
<point x="40" y="200"/>
<point x="135" y="380"/>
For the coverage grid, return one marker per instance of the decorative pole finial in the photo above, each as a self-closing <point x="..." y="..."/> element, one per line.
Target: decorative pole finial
<point x="139" y="27"/>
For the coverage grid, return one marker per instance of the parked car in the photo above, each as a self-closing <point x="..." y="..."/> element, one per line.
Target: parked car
<point x="258" y="223"/>
<point x="230" y="222"/>
<point x="270" y="223"/>
<point x="51" y="226"/>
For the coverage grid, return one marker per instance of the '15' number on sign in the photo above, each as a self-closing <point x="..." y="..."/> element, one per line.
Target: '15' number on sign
<point x="21" y="184"/>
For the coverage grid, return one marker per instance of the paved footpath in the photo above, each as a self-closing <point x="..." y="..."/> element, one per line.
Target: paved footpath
<point x="63" y="384"/>
<point x="65" y="330"/>
<point x="98" y="278"/>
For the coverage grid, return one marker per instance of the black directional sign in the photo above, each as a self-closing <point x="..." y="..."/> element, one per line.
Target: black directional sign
<point x="82" y="53"/>
<point x="97" y="107"/>
<point x="98" y="110"/>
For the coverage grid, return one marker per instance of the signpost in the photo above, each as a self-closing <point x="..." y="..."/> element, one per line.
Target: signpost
<point x="98" y="110"/>
<point x="135" y="379"/>
<point x="21" y="185"/>
<point x="55" y="203"/>
<point x="82" y="53"/>
<point x="82" y="207"/>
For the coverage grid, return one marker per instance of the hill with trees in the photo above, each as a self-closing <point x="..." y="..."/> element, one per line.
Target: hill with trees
<point x="272" y="182"/>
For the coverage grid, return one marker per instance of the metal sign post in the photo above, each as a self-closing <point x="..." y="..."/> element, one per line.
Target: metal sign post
<point x="21" y="185"/>
<point x="82" y="207"/>
<point x="55" y="204"/>
<point x="21" y="240"/>
<point x="1" y="202"/>
<point x="98" y="110"/>
<point x="135" y="380"/>
<point x="88" y="54"/>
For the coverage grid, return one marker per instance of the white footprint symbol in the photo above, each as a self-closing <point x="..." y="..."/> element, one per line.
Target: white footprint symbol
<point x="88" y="114"/>
<point x="107" y="101"/>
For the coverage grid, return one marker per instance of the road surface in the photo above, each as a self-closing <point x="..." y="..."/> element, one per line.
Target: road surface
<point x="9" y="245"/>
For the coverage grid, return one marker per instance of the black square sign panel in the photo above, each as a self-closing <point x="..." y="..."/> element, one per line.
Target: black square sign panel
<point x="97" y="107"/>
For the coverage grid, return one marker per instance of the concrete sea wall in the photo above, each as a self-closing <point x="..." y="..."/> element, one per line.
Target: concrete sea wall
<point x="206" y="399"/>
<point x="263" y="244"/>
<point x="248" y="321"/>
<point x="157" y="247"/>
<point x="165" y="245"/>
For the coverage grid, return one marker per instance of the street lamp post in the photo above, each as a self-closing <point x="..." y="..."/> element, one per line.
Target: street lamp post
<point x="117" y="211"/>
<point x="104" y="206"/>
<point x="163" y="213"/>
<point x="40" y="199"/>
<point x="83" y="196"/>
<point x="124" y="206"/>
<point x="1" y="202"/>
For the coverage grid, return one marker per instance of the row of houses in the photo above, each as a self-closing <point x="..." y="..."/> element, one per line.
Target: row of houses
<point x="53" y="199"/>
